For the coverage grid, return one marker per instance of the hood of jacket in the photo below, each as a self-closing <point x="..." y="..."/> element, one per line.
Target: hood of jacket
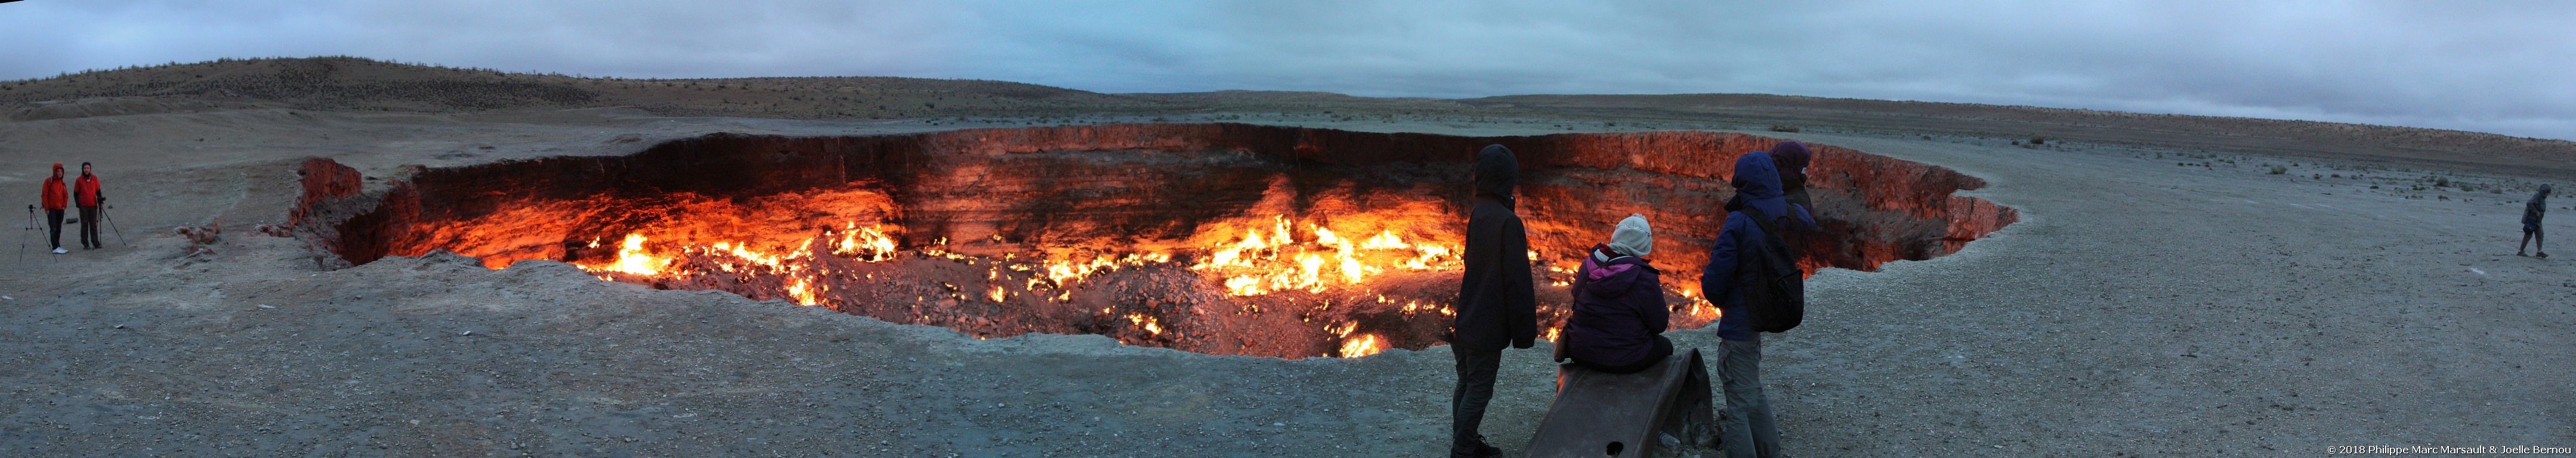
<point x="1497" y="172"/>
<point x="1791" y="157"/>
<point x="1757" y="183"/>
<point x="1614" y="277"/>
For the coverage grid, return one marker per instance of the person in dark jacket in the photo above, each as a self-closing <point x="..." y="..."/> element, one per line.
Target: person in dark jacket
<point x="1497" y="302"/>
<point x="85" y="194"/>
<point x="1792" y="157"/>
<point x="55" y="199"/>
<point x="1746" y="429"/>
<point x="1619" y="311"/>
<point x="2531" y="213"/>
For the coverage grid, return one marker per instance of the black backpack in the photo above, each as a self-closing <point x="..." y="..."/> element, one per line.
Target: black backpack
<point x="1775" y="291"/>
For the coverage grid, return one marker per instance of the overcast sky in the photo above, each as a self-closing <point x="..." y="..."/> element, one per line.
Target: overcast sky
<point x="2502" y="67"/>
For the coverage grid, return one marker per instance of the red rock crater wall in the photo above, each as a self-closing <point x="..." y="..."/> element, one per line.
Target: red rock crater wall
<point x="988" y="216"/>
<point x="1019" y="183"/>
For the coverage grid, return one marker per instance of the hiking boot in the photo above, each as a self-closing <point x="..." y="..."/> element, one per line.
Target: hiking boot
<point x="1482" y="450"/>
<point x="60" y="250"/>
<point x="2541" y="255"/>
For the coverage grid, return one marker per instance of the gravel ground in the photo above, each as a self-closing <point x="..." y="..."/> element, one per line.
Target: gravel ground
<point x="2139" y="308"/>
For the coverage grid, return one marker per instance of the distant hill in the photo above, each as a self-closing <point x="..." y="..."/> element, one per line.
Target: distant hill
<point x="358" y="84"/>
<point x="2274" y="135"/>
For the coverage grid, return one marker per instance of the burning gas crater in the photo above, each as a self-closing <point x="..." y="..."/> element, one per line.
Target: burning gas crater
<point x="836" y="268"/>
<point x="1221" y="239"/>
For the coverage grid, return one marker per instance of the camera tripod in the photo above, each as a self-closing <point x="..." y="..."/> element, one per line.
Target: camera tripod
<point x="103" y="207"/>
<point x="30" y="231"/>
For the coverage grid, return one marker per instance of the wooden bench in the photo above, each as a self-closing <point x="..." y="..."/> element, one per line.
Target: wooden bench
<point x="1620" y="415"/>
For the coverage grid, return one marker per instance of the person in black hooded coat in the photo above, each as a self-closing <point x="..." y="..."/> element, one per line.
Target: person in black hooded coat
<point x="1497" y="302"/>
<point x="2532" y="210"/>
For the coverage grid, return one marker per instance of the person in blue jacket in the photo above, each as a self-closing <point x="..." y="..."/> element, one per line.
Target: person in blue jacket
<point x="1746" y="428"/>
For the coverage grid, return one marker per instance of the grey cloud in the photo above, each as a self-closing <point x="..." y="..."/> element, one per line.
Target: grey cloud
<point x="2487" y="66"/>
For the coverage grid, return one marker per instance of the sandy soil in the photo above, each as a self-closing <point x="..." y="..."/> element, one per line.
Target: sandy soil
<point x="2141" y="307"/>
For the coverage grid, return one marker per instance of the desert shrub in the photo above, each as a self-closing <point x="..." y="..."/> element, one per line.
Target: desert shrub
<point x="1784" y="128"/>
<point x="2038" y="140"/>
<point x="2441" y="181"/>
<point x="2277" y="170"/>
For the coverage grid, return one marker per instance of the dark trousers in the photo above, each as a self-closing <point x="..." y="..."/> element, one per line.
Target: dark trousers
<point x="89" y="228"/>
<point x="54" y="219"/>
<point x="1475" y="389"/>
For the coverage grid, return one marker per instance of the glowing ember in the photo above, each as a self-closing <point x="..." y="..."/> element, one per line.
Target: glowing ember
<point x="1151" y="325"/>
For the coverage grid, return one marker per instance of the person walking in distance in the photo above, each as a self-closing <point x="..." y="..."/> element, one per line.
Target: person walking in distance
<point x="85" y="193"/>
<point x="55" y="199"/>
<point x="1497" y="303"/>
<point x="1746" y="427"/>
<point x="2531" y="213"/>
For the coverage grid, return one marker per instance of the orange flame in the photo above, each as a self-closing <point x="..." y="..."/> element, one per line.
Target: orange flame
<point x="1364" y="345"/>
<point x="804" y="294"/>
<point x="868" y="244"/>
<point x="1269" y="261"/>
<point x="631" y="258"/>
<point x="1247" y="256"/>
<point x="1147" y="322"/>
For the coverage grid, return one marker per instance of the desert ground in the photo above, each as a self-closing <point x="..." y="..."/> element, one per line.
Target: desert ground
<point x="2165" y="292"/>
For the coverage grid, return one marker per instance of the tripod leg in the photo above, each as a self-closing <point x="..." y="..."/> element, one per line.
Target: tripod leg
<point x="111" y="226"/>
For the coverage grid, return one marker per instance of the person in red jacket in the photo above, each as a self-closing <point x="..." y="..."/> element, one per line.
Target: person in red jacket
<point x="85" y="193"/>
<point x="55" y="200"/>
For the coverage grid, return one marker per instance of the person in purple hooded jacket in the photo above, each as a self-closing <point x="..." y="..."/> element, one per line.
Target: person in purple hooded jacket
<point x="1746" y="427"/>
<point x="1619" y="310"/>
